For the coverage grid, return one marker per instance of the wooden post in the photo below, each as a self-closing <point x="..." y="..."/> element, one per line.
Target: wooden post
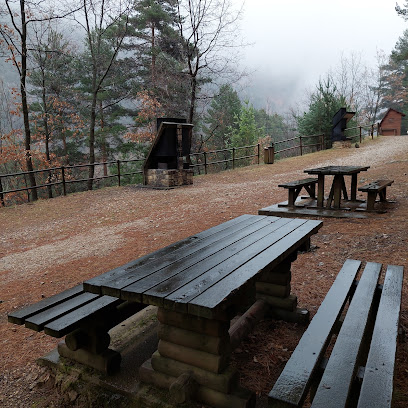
<point x="64" y="190"/>
<point x="233" y="158"/>
<point x="259" y="152"/>
<point x="300" y="140"/>
<point x="118" y="165"/>
<point x="378" y="128"/>
<point x="244" y="325"/>
<point x="372" y="131"/>
<point x="360" y="133"/>
<point x="205" y="162"/>
<point x="1" y="194"/>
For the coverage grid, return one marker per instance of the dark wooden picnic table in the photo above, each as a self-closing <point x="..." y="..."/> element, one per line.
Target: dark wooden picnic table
<point x="199" y="285"/>
<point x="338" y="187"/>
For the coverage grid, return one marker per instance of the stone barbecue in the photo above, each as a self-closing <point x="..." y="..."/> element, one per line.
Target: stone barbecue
<point x="168" y="162"/>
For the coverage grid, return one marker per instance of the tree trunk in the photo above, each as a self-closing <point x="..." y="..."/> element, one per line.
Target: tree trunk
<point x="103" y="141"/>
<point x="193" y="98"/>
<point x="23" y="76"/>
<point x="47" y="135"/>
<point x="153" y="58"/>
<point x="92" y="142"/>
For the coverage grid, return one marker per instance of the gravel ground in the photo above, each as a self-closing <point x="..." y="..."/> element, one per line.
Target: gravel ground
<point x="52" y="245"/>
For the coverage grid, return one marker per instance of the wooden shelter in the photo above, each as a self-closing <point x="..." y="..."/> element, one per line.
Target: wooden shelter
<point x="390" y="125"/>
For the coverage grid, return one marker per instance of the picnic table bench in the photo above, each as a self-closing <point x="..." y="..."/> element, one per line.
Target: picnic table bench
<point x="200" y="284"/>
<point x="295" y="187"/>
<point x="365" y="345"/>
<point x="372" y="189"/>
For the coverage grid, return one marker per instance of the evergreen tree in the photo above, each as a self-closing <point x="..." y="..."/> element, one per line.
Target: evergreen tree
<point x="158" y="54"/>
<point x="323" y="105"/>
<point x="246" y="132"/>
<point x="221" y="118"/>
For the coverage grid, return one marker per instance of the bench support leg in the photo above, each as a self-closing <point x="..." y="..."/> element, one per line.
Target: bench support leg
<point x="320" y="190"/>
<point x="202" y="348"/>
<point x="371" y="196"/>
<point x="107" y="362"/>
<point x="274" y="288"/>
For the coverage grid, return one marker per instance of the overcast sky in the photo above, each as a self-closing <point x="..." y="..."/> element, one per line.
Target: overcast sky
<point x="298" y="41"/>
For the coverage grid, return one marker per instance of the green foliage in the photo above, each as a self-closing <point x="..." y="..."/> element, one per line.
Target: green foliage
<point x="245" y="132"/>
<point x="221" y="118"/>
<point x="323" y="105"/>
<point x="271" y="125"/>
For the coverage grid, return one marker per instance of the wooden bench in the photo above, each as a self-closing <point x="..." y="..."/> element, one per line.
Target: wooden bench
<point x="367" y="337"/>
<point x="85" y="319"/>
<point x="372" y="189"/>
<point x="294" y="188"/>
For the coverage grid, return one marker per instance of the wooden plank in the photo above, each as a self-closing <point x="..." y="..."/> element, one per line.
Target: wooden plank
<point x="64" y="325"/>
<point x="299" y="183"/>
<point x="234" y="247"/>
<point x="335" y="385"/>
<point x="19" y="316"/>
<point x="198" y="284"/>
<point x="37" y="321"/>
<point x="170" y="278"/>
<point x="223" y="286"/>
<point x="376" y="185"/>
<point x="377" y="386"/>
<point x="292" y="385"/>
<point x="94" y="285"/>
<point x="176" y="258"/>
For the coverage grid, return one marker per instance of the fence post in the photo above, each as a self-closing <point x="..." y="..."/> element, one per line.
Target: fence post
<point x="259" y="152"/>
<point x="1" y="194"/>
<point x="64" y="190"/>
<point x="118" y="164"/>
<point x="205" y="162"/>
<point x="322" y="142"/>
<point x="272" y="154"/>
<point x="233" y="158"/>
<point x="300" y="144"/>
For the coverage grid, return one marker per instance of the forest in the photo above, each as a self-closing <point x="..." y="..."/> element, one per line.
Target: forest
<point x="84" y="81"/>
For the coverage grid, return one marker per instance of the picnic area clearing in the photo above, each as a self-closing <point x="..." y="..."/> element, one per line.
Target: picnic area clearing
<point x="52" y="245"/>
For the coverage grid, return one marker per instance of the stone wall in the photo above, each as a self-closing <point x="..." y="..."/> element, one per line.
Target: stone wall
<point x="169" y="178"/>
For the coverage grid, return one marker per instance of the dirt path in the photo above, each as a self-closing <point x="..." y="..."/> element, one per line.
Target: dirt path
<point x="52" y="245"/>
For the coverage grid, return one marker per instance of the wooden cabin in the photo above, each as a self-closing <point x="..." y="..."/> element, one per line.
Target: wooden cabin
<point x="390" y="125"/>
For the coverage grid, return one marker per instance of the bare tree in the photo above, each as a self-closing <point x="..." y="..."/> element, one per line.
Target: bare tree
<point x="103" y="21"/>
<point x="209" y="29"/>
<point x="15" y="35"/>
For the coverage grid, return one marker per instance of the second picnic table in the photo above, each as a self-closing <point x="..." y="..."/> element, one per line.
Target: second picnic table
<point x="338" y="186"/>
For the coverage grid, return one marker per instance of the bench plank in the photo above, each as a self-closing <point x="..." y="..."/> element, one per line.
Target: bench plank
<point x="299" y="183"/>
<point x="292" y="385"/>
<point x="211" y="297"/>
<point x="94" y="285"/>
<point x="113" y="288"/>
<point x="377" y="386"/>
<point x="37" y="321"/>
<point x="167" y="280"/>
<point x="19" y="316"/>
<point x="376" y="185"/>
<point x="65" y="324"/>
<point x="334" y="387"/>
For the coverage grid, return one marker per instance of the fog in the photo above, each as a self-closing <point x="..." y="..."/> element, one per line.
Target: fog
<point x="295" y="42"/>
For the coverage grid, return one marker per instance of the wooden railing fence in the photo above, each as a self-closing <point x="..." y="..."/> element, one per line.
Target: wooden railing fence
<point x="62" y="176"/>
<point x="231" y="157"/>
